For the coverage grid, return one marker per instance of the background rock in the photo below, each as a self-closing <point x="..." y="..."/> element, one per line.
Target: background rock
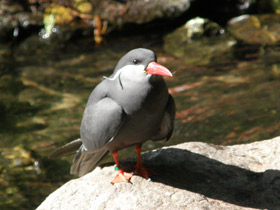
<point x="256" y="29"/>
<point x="19" y="19"/>
<point x="118" y="13"/>
<point x="192" y="175"/>
<point x="200" y="36"/>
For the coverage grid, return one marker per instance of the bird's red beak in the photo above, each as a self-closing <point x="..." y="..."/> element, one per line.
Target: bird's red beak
<point x="156" y="69"/>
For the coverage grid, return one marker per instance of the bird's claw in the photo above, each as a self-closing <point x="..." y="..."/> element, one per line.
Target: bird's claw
<point x="144" y="172"/>
<point x="122" y="176"/>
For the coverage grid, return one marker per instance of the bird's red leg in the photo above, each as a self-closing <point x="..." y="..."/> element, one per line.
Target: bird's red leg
<point x="121" y="176"/>
<point x="140" y="170"/>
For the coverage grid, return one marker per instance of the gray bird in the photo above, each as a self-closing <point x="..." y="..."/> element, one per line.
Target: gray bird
<point x="128" y="108"/>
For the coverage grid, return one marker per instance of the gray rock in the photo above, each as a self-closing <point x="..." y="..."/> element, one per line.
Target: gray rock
<point x="119" y="13"/>
<point x="191" y="175"/>
<point x="116" y="13"/>
<point x="256" y="29"/>
<point x="198" y="41"/>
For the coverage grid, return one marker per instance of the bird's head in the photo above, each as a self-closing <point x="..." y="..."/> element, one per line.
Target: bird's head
<point x="141" y="62"/>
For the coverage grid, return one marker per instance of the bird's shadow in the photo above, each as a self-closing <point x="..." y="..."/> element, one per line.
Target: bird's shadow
<point x="183" y="169"/>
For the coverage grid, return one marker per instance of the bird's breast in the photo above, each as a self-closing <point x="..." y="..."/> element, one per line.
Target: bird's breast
<point x="131" y="95"/>
<point x="144" y="108"/>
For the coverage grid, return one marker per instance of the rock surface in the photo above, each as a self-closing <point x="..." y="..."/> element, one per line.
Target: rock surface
<point x="256" y="29"/>
<point x="19" y="19"/>
<point x="191" y="175"/>
<point x="118" y="13"/>
<point x="205" y="39"/>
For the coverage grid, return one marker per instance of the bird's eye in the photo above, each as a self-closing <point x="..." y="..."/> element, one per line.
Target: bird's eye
<point x="135" y="61"/>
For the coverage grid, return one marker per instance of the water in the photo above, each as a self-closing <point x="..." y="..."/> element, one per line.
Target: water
<point x="232" y="98"/>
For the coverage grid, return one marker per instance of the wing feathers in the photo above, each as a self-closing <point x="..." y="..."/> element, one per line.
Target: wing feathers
<point x="68" y="149"/>
<point x="84" y="162"/>
<point x="100" y="123"/>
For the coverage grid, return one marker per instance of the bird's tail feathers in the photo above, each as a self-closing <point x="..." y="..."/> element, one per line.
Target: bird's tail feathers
<point x="84" y="161"/>
<point x="68" y="149"/>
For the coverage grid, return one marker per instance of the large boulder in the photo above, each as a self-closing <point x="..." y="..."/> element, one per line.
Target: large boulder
<point x="118" y="13"/>
<point x="70" y="17"/>
<point x="191" y="175"/>
<point x="19" y="19"/>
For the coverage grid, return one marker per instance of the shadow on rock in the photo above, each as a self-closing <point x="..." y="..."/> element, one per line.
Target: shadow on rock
<point x="197" y="173"/>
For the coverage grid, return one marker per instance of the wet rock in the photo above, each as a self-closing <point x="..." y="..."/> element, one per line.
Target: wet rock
<point x="256" y="29"/>
<point x="191" y="175"/>
<point x="198" y="27"/>
<point x="118" y="13"/>
<point x="79" y="15"/>
<point x="13" y="26"/>
<point x="200" y="39"/>
<point x="15" y="19"/>
<point x="221" y="11"/>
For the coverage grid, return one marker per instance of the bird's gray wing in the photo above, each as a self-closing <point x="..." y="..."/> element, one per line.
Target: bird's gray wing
<point x="84" y="162"/>
<point x="167" y="123"/>
<point x="100" y="123"/>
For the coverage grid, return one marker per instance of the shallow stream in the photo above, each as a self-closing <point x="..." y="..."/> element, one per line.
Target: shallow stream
<point x="232" y="98"/>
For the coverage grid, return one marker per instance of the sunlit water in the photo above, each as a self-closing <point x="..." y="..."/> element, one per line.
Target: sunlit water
<point x="233" y="99"/>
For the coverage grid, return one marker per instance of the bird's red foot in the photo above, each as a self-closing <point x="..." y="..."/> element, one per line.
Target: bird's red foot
<point x="145" y="172"/>
<point x="121" y="176"/>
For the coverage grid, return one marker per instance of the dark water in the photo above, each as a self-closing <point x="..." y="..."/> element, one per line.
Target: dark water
<point x="232" y="98"/>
